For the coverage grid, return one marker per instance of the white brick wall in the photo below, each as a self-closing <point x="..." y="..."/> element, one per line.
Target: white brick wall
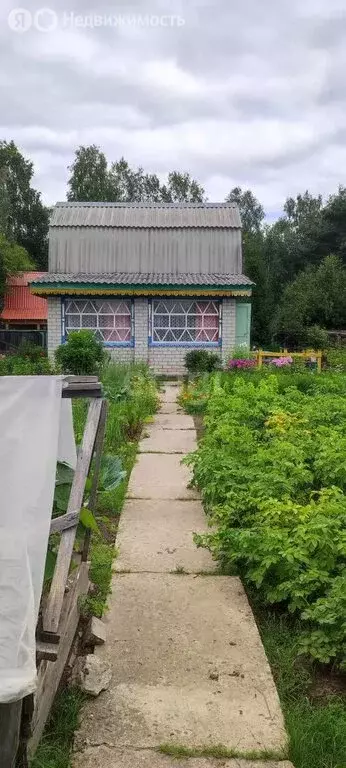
<point x="53" y="324"/>
<point x="141" y="330"/>
<point x="228" y="326"/>
<point x="163" y="360"/>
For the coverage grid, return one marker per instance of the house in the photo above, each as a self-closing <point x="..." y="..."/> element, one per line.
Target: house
<point x="152" y="280"/>
<point x="23" y="316"/>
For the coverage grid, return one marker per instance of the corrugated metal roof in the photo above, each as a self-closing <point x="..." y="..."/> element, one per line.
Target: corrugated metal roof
<point x="146" y="215"/>
<point x="20" y="303"/>
<point x="138" y="278"/>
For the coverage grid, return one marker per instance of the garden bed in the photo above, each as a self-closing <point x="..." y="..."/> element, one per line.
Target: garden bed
<point x="271" y="469"/>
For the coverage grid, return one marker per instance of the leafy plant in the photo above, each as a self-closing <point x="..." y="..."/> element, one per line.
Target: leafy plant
<point x="271" y="469"/>
<point x="200" y="360"/>
<point x="82" y="354"/>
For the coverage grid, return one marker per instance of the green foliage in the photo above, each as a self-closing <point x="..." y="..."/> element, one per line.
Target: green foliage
<point x="315" y="720"/>
<point x="271" y="468"/>
<point x="55" y="748"/>
<point x="31" y="363"/>
<point x="24" y="219"/>
<point x="316" y="297"/>
<point x="316" y="337"/>
<point x="82" y="354"/>
<point x="13" y="258"/>
<point x="200" y="361"/>
<point x="336" y="358"/>
<point x="92" y="180"/>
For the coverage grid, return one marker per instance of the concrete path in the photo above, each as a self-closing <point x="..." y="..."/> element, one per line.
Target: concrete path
<point x="189" y="669"/>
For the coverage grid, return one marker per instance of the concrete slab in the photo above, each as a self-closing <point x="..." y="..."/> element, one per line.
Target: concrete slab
<point x="160" y="476"/>
<point x="95" y="757"/>
<point x="157" y="536"/>
<point x="168" y="441"/>
<point x="174" y="421"/>
<point x="170" y="393"/>
<point x="188" y="668"/>
<point x="168" y="407"/>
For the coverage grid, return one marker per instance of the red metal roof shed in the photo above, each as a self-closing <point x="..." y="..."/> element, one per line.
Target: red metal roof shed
<point x="20" y="305"/>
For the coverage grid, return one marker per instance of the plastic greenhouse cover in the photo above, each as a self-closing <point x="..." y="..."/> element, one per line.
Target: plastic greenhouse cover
<point x="36" y="430"/>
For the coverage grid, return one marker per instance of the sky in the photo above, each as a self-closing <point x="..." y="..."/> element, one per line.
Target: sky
<point x="248" y="93"/>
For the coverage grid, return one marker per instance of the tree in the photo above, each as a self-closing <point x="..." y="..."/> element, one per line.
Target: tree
<point x="250" y="209"/>
<point x="24" y="218"/>
<point x="316" y="297"/>
<point x="181" y="188"/>
<point x="13" y="258"/>
<point x="91" y="180"/>
<point x="89" y="176"/>
<point x="332" y="234"/>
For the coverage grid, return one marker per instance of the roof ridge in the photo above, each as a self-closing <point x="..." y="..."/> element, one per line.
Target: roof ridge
<point x="115" y="204"/>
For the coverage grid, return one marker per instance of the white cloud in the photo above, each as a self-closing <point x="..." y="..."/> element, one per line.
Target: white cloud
<point x="242" y="93"/>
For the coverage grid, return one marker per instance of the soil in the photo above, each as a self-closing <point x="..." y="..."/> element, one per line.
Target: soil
<point x="328" y="682"/>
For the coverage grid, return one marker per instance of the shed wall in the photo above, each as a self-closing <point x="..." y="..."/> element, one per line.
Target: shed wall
<point x="94" y="250"/>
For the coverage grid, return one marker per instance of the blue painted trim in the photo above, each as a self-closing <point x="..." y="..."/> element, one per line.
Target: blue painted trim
<point x="110" y="344"/>
<point x="195" y="344"/>
<point x="200" y="344"/>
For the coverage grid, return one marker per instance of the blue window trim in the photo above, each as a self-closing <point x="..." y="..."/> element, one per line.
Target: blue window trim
<point x="195" y="344"/>
<point x="109" y="344"/>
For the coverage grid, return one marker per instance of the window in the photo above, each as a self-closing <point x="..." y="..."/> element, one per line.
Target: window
<point x="111" y="319"/>
<point x="185" y="321"/>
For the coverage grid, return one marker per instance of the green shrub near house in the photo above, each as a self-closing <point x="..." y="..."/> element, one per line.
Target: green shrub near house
<point x="81" y="355"/>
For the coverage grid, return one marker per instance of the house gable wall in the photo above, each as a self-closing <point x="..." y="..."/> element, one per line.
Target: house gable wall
<point x="92" y="250"/>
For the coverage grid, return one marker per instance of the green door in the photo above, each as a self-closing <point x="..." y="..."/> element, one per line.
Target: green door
<point x="242" y="324"/>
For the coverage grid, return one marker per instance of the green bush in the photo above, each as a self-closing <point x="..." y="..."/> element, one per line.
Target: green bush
<point x="81" y="355"/>
<point x="271" y="468"/>
<point x="24" y="365"/>
<point x="201" y="361"/>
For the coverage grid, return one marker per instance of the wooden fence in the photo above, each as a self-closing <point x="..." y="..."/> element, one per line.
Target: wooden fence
<point x="310" y="354"/>
<point x="23" y="722"/>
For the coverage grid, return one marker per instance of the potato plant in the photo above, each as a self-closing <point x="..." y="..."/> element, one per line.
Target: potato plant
<point x="271" y="467"/>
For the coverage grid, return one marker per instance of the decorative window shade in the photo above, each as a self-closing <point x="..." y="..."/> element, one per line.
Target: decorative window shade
<point x="185" y="321"/>
<point x="110" y="319"/>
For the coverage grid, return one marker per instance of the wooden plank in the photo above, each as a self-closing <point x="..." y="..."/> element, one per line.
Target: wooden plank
<point x="50" y="672"/>
<point x="46" y="651"/>
<point x="64" y="522"/>
<point x="55" y="598"/>
<point x="95" y="478"/>
<point x="10" y="719"/>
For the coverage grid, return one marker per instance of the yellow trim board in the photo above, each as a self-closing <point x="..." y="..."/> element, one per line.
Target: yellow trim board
<point x="61" y="291"/>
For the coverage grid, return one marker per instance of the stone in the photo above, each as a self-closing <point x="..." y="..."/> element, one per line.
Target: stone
<point x="157" y="536"/>
<point x="92" y="674"/>
<point x="174" y="421"/>
<point x="163" y="631"/>
<point x="96" y="632"/>
<point x="168" y="441"/>
<point x="104" y="757"/>
<point x="160" y="476"/>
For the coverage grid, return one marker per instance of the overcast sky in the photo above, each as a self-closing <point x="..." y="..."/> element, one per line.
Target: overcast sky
<point x="237" y="92"/>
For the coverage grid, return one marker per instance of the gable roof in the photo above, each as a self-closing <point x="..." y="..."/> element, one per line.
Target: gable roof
<point x="146" y="215"/>
<point x="20" y="303"/>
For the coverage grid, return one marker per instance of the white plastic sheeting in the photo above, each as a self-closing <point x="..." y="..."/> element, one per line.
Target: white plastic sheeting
<point x="35" y="430"/>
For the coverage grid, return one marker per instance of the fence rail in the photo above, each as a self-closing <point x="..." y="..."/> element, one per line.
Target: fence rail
<point x="312" y="355"/>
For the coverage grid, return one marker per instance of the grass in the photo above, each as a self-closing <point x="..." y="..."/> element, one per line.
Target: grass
<point x="315" y="724"/>
<point x="55" y="748"/>
<point x="219" y="752"/>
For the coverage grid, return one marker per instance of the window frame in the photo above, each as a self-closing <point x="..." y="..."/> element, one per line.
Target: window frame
<point x="92" y="297"/>
<point x="200" y="344"/>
